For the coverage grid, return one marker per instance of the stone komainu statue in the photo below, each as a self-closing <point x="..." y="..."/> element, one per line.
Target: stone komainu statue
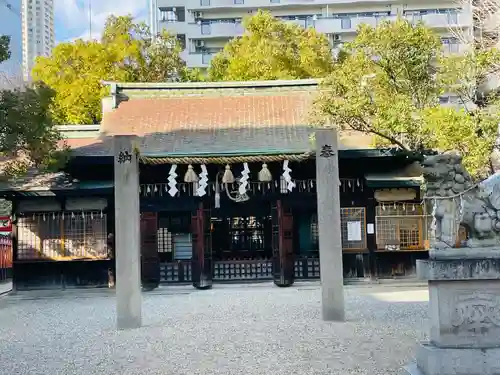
<point x="456" y="200"/>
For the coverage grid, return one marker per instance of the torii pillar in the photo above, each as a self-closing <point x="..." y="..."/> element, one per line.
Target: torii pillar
<point x="127" y="233"/>
<point x="329" y="225"/>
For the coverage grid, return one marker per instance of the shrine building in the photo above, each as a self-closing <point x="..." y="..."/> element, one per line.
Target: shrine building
<point x="227" y="187"/>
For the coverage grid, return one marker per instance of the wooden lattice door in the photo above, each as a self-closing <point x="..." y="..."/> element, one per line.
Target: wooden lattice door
<point x="283" y="259"/>
<point x="202" y="249"/>
<point x="150" y="261"/>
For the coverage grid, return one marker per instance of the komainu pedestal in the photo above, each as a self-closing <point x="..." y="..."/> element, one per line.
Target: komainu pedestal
<point x="464" y="282"/>
<point x="464" y="313"/>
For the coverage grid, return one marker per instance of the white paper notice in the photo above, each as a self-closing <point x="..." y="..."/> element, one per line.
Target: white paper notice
<point x="354" y="231"/>
<point x="370" y="228"/>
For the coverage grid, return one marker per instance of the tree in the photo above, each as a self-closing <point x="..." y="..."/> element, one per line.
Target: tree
<point x="4" y="48"/>
<point x="127" y="52"/>
<point x="27" y="134"/>
<point x="389" y="85"/>
<point x="272" y="49"/>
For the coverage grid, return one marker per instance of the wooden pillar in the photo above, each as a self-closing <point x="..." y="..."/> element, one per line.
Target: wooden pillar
<point x="330" y="237"/>
<point x="201" y="264"/>
<point x="127" y="238"/>
<point x="283" y="257"/>
<point x="150" y="261"/>
<point x="371" y="238"/>
<point x="15" y="244"/>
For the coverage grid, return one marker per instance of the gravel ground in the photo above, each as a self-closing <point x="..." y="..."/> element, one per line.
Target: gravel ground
<point x="257" y="329"/>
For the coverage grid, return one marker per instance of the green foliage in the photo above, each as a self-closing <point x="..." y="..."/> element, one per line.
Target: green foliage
<point x="4" y="47"/>
<point x="126" y="52"/>
<point x="272" y="49"/>
<point x="26" y="129"/>
<point x="388" y="85"/>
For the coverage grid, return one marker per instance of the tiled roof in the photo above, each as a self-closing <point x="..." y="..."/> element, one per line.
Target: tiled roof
<point x="205" y="113"/>
<point x="211" y="118"/>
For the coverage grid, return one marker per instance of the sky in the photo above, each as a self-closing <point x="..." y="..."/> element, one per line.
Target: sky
<point x="72" y="21"/>
<point x="72" y="16"/>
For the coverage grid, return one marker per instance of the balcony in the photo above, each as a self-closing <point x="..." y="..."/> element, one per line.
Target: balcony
<point x="176" y="27"/>
<point x="443" y="20"/>
<point x="335" y="25"/>
<point x="252" y="4"/>
<point x="455" y="48"/>
<point x="197" y="60"/>
<point x="222" y="29"/>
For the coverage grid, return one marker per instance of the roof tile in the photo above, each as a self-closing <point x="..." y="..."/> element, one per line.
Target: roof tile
<point x="155" y="115"/>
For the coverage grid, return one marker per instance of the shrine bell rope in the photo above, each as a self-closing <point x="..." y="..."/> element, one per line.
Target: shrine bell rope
<point x="225" y="159"/>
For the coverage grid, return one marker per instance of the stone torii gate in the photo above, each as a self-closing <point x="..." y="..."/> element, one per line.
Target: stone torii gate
<point x="127" y="229"/>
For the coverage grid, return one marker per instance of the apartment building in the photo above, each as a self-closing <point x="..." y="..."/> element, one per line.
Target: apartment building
<point x="37" y="31"/>
<point x="204" y="26"/>
<point x="10" y="24"/>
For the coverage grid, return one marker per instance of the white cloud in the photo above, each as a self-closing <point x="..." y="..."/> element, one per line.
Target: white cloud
<point x="74" y="14"/>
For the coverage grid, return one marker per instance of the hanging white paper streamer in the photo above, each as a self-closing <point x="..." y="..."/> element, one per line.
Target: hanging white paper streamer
<point x="286" y="175"/>
<point x="244" y="179"/>
<point x="434" y="220"/>
<point x="172" y="183"/>
<point x="203" y="183"/>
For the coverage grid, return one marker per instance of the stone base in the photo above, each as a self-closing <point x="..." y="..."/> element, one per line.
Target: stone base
<point x="432" y="360"/>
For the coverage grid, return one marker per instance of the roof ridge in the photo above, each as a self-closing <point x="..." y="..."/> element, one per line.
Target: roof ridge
<point x="213" y="85"/>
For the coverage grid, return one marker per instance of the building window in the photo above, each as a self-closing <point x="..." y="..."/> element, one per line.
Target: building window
<point x="275" y="1"/>
<point x="206" y="58"/>
<point x="400" y="226"/>
<point x="353" y="228"/>
<point x="168" y="15"/>
<point x="314" y="231"/>
<point x="453" y="18"/>
<point x="57" y="235"/>
<point x="239" y="1"/>
<point x="205" y="3"/>
<point x="247" y="233"/>
<point x="346" y="23"/>
<point x="164" y="238"/>
<point x="205" y="28"/>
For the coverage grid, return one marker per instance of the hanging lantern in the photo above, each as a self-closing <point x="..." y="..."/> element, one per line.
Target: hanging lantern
<point x="228" y="177"/>
<point x="190" y="175"/>
<point x="265" y="174"/>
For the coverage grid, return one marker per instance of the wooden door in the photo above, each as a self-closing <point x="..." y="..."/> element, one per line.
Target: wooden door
<point x="283" y="259"/>
<point x="202" y="249"/>
<point x="150" y="261"/>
